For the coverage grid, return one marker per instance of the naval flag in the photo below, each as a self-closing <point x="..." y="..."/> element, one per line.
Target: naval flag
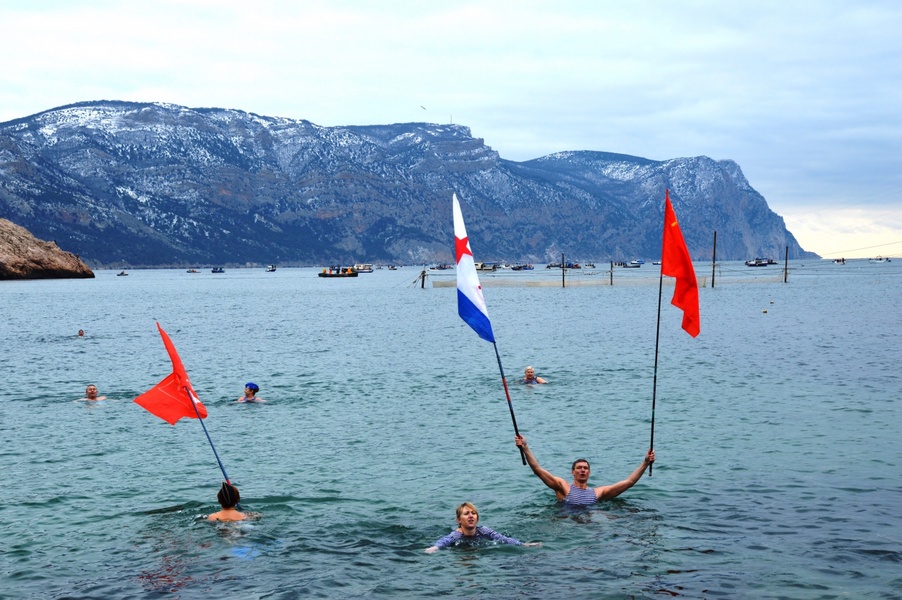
<point x="470" y="303"/>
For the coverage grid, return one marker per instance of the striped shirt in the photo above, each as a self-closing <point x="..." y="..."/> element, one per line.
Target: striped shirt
<point x="580" y="497"/>
<point x="482" y="533"/>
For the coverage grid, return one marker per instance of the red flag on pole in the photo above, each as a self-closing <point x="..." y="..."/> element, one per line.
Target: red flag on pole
<point x="676" y="262"/>
<point x="169" y="399"/>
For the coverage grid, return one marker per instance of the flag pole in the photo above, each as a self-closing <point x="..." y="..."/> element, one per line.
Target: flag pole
<point x="509" y="404"/>
<point x="654" y="387"/>
<point x="215" y="453"/>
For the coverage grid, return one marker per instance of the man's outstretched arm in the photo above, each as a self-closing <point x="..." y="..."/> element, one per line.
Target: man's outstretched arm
<point x="612" y="491"/>
<point x="561" y="488"/>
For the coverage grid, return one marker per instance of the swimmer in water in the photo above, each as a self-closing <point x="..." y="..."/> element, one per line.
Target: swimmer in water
<point x="91" y="394"/>
<point x="468" y="531"/>
<point x="229" y="498"/>
<point x="529" y="376"/>
<point x="250" y="393"/>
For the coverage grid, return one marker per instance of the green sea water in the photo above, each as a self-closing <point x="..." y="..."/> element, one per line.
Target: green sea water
<point x="779" y="471"/>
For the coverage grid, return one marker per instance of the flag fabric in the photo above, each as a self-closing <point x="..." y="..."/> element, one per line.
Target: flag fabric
<point x="676" y="262"/>
<point x="470" y="303"/>
<point x="168" y="399"/>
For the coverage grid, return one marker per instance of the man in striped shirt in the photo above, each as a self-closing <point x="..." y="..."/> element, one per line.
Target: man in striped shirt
<point x="579" y="493"/>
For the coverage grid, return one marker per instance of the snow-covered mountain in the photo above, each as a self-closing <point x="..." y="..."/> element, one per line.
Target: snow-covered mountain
<point x="158" y="184"/>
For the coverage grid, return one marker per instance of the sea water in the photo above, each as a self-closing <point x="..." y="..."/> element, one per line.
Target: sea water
<point x="777" y="434"/>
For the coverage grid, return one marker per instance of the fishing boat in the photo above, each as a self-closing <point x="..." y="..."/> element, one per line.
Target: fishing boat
<point x="363" y="268"/>
<point x="486" y="266"/>
<point x="441" y="267"/>
<point x="879" y="259"/>
<point x="757" y="262"/>
<point x="217" y="270"/>
<point x="523" y="267"/>
<point x="271" y="269"/>
<point x="193" y="271"/>
<point x="338" y="272"/>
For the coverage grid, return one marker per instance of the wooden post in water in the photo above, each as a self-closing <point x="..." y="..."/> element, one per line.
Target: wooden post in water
<point x="423" y="278"/>
<point x="786" y="266"/>
<point x="612" y="273"/>
<point x="563" y="270"/>
<point x="713" y="259"/>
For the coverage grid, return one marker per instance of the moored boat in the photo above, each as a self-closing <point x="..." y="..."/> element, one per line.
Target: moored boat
<point x="757" y="262"/>
<point x="363" y="268"/>
<point x="217" y="270"/>
<point x="271" y="269"/>
<point x="338" y="272"/>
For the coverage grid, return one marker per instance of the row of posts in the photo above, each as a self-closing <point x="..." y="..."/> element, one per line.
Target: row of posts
<point x="611" y="272"/>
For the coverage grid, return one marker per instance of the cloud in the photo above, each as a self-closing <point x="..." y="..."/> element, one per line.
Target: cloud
<point x="803" y="96"/>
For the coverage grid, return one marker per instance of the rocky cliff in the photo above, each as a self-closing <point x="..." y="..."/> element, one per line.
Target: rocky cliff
<point x="23" y="256"/>
<point x="162" y="185"/>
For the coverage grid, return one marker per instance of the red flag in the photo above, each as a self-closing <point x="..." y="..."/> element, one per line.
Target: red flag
<point x="169" y="399"/>
<point x="676" y="262"/>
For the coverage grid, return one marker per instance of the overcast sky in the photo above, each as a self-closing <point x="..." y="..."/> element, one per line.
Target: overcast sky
<point x="805" y="96"/>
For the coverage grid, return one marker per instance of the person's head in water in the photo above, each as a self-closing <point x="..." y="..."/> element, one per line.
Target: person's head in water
<point x="91" y="392"/>
<point x="465" y="506"/>
<point x="251" y="389"/>
<point x="581" y="471"/>
<point x="228" y="495"/>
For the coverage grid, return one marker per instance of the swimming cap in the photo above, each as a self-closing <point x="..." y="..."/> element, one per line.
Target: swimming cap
<point x="252" y="386"/>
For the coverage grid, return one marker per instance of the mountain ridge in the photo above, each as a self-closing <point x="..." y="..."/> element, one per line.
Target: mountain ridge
<point x="156" y="184"/>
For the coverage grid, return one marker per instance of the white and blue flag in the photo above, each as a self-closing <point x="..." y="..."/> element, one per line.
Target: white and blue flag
<point x="470" y="303"/>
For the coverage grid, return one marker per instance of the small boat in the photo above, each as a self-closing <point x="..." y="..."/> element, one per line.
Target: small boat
<point x="637" y="263"/>
<point x="839" y="261"/>
<point x="193" y="271"/>
<point x="392" y="268"/>
<point x="486" y="266"/>
<point x="657" y="262"/>
<point x="879" y="259"/>
<point x="441" y="267"/>
<point x="757" y="262"/>
<point x="523" y="267"/>
<point x="363" y="268"/>
<point x="271" y="269"/>
<point x="628" y="265"/>
<point x="217" y="270"/>
<point x="338" y="272"/>
<point x="121" y="274"/>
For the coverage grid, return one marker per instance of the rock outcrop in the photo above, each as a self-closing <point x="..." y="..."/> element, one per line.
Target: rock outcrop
<point x="23" y="256"/>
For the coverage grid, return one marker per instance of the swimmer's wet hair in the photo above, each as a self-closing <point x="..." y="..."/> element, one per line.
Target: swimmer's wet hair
<point x="460" y="509"/>
<point x="579" y="460"/>
<point x="228" y="495"/>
